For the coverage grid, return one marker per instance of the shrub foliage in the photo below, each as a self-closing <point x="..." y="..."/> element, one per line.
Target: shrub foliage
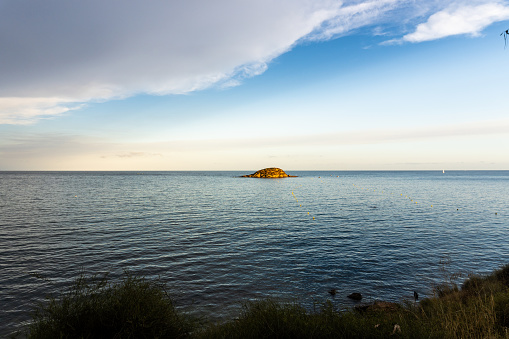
<point x="138" y="308"/>
<point x="96" y="308"/>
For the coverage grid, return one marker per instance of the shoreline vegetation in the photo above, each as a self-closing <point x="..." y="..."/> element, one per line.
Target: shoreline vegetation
<point x="136" y="307"/>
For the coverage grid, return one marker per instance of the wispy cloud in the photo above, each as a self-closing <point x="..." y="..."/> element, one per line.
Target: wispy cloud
<point x="459" y="19"/>
<point x="22" y="110"/>
<point x="133" y="155"/>
<point x="353" y="16"/>
<point x="359" y="137"/>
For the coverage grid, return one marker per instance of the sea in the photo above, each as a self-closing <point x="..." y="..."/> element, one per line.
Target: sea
<point x="218" y="241"/>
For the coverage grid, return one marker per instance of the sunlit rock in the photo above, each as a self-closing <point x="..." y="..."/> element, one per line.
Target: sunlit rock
<point x="271" y="172"/>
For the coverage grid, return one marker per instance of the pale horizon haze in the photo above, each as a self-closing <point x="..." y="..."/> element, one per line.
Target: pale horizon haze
<point x="244" y="85"/>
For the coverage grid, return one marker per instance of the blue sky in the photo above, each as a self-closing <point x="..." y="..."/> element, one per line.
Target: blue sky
<point x="195" y="85"/>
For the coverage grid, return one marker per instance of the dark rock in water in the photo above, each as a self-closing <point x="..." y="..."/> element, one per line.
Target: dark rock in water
<point x="271" y="172"/>
<point x="355" y="296"/>
<point x="378" y="306"/>
<point x="332" y="292"/>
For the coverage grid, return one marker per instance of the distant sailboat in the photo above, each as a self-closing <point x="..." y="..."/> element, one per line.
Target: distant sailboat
<point x="443" y="171"/>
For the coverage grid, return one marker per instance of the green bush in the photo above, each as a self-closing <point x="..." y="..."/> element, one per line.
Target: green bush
<point x="271" y="319"/>
<point x="95" y="308"/>
<point x="502" y="275"/>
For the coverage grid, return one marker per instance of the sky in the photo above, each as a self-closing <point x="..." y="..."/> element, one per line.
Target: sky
<point x="243" y="85"/>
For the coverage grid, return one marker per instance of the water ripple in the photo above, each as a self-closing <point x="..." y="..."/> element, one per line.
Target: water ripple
<point x="218" y="240"/>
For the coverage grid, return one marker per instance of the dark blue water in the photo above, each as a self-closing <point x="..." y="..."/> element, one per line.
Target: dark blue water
<point x="218" y="240"/>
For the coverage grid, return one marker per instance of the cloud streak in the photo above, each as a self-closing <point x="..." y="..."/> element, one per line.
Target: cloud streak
<point x="21" y="111"/>
<point x="134" y="155"/>
<point x="358" y="137"/>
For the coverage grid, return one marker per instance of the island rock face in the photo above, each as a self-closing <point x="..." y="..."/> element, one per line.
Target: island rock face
<point x="271" y="172"/>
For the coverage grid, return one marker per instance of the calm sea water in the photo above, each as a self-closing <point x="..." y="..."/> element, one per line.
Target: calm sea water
<point x="218" y="240"/>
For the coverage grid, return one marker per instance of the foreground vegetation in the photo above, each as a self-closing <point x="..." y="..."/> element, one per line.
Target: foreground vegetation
<point x="138" y="308"/>
<point x="95" y="308"/>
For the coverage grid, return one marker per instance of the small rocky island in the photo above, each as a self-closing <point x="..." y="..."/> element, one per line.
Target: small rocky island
<point x="271" y="172"/>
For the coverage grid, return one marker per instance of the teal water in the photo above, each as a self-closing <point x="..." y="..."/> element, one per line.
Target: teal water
<point x="217" y="239"/>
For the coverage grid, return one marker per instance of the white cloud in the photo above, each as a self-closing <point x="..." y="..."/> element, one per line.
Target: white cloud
<point x="74" y="51"/>
<point x="462" y="19"/>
